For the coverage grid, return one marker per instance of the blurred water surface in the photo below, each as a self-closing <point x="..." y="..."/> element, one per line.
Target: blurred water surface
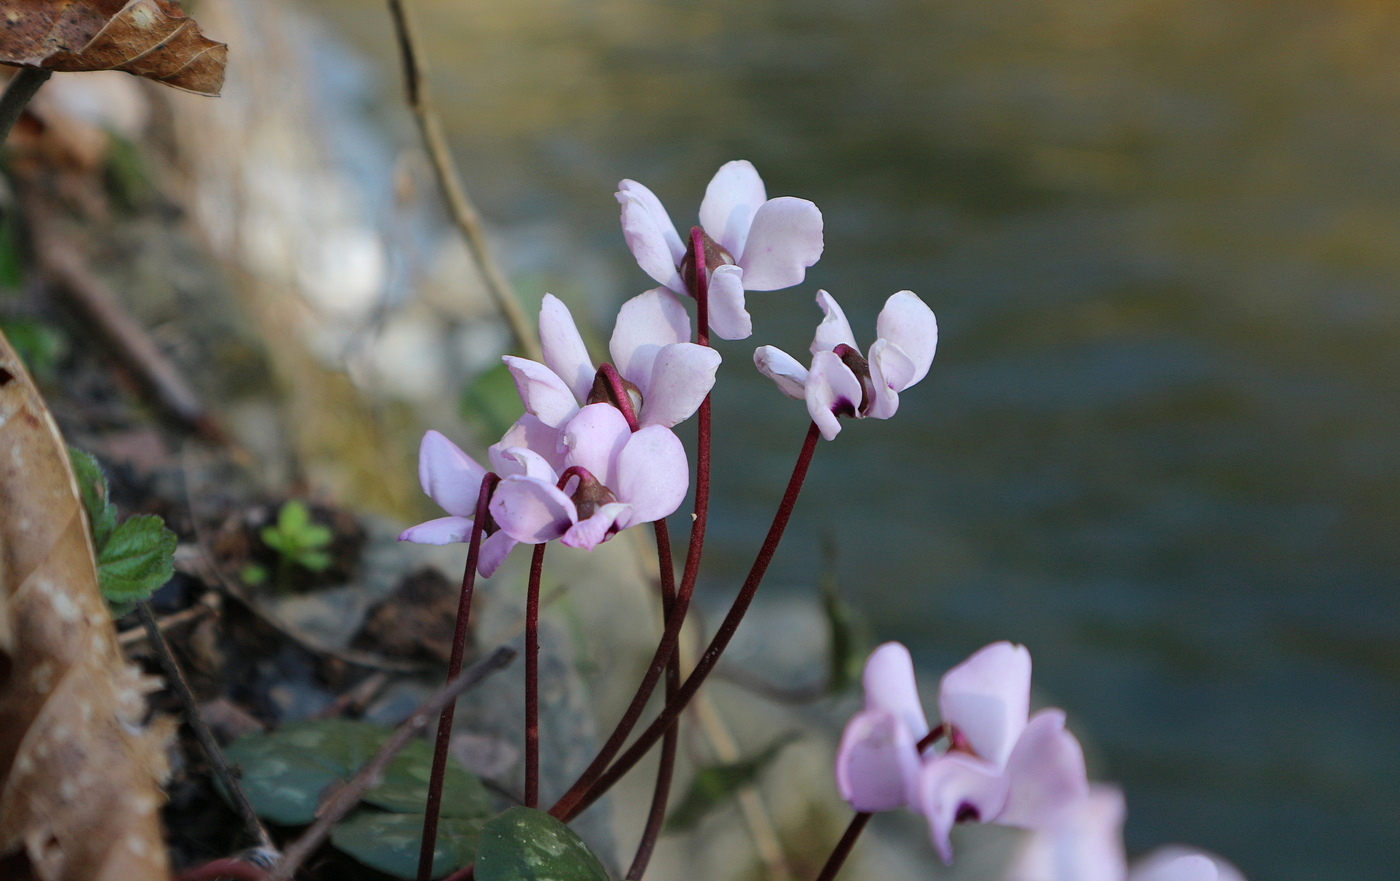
<point x="1160" y="444"/>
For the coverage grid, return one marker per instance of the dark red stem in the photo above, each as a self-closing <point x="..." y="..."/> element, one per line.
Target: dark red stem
<point x="717" y="645"/>
<point x="624" y="401"/>
<point x="532" y="680"/>
<point x="702" y="286"/>
<point x="454" y="667"/>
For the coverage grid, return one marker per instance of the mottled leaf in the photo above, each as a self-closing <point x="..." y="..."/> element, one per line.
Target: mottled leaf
<point x="523" y="844"/>
<point x="390" y="842"/>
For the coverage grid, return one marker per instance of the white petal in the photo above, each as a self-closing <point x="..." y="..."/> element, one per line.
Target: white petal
<point x="531" y="510"/>
<point x="681" y="376"/>
<point x="564" y="351"/>
<point x="594" y="438"/>
<point x="544" y="393"/>
<point x="889" y="685"/>
<point x="785" y="239"/>
<point x="493" y="552"/>
<point x="449" y="476"/>
<point x="588" y="534"/>
<point x="908" y="323"/>
<point x="831" y="389"/>
<point x="733" y="196"/>
<point x="729" y="317"/>
<point x="888" y="366"/>
<point x="783" y="369"/>
<point x="1085" y="845"/>
<point x="521" y="460"/>
<point x="956" y="785"/>
<point x="652" y="475"/>
<point x="645" y="323"/>
<point x="1177" y="863"/>
<point x="834" y="329"/>
<point x="987" y="697"/>
<point x="877" y="763"/>
<point x="650" y="234"/>
<point x="1045" y="773"/>
<point x="442" y="531"/>
<point x="529" y="432"/>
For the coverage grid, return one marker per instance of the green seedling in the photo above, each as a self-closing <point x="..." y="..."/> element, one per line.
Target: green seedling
<point x="298" y="541"/>
<point x="134" y="557"/>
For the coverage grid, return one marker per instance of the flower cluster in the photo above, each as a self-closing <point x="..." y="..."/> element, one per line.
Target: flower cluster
<point x="1000" y="764"/>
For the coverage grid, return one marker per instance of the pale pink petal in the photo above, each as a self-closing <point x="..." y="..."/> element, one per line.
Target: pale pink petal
<point x="908" y="323"/>
<point x="544" y="393"/>
<point x="645" y="323"/>
<point x="594" y="438"/>
<point x="529" y="432"/>
<point x="987" y="698"/>
<point x="877" y="764"/>
<point x="652" y="475"/>
<point x="1085" y="845"/>
<point x="442" y="531"/>
<point x="956" y="787"/>
<point x="1045" y="773"/>
<point x="887" y="366"/>
<point x="449" y="476"/>
<point x="890" y="686"/>
<point x="1177" y="863"/>
<point x="520" y="460"/>
<point x="530" y="510"/>
<point x="783" y="369"/>
<point x="831" y="389"/>
<point x="564" y="351"/>
<point x="834" y="329"/>
<point x="729" y="318"/>
<point x="650" y="234"/>
<point x="733" y="196"/>
<point x="588" y="534"/>
<point x="786" y="238"/>
<point x="493" y="552"/>
<point x="681" y="376"/>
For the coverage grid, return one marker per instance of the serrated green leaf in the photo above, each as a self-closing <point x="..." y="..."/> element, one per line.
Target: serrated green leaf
<point x="390" y="842"/>
<point x="136" y="560"/>
<point x="287" y="772"/>
<point x="523" y="844"/>
<point x="715" y="784"/>
<point x="92" y="490"/>
<point x="293" y="517"/>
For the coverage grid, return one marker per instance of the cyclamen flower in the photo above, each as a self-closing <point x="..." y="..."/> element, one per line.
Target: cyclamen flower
<point x="650" y="348"/>
<point x="877" y="764"/>
<point x="611" y="478"/>
<point x="1085" y="843"/>
<point x="453" y="479"/>
<point x="842" y="382"/>
<point x="753" y="243"/>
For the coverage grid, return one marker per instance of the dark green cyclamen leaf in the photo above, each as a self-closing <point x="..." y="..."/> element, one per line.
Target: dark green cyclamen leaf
<point x="284" y="781"/>
<point x="523" y="844"/>
<point x="715" y="784"/>
<point x="136" y="559"/>
<point x="92" y="489"/>
<point x="390" y="842"/>
<point x="405" y="786"/>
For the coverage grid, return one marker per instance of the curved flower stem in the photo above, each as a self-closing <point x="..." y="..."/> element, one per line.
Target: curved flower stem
<point x="621" y="399"/>
<point x="454" y="666"/>
<point x="702" y="286"/>
<point x="21" y="87"/>
<point x="666" y="769"/>
<point x="532" y="679"/>
<point x="670" y="637"/>
<point x="848" y="840"/>
<point x="571" y="805"/>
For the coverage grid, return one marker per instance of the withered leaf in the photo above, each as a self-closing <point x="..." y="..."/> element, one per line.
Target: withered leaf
<point x="148" y="38"/>
<point x="79" y="775"/>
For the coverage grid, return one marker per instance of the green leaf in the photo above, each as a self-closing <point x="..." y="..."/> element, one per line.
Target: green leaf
<point x="390" y="842"/>
<point x="715" y="784"/>
<point x="316" y="561"/>
<point x="287" y="772"/>
<point x="136" y="560"/>
<point x="293" y="517"/>
<point x="522" y="844"/>
<point x="92" y="490"/>
<point x="848" y="637"/>
<point x="39" y="345"/>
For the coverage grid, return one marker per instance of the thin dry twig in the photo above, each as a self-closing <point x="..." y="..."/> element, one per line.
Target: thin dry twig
<point x="206" y="739"/>
<point x="207" y="605"/>
<point x="346" y="796"/>
<point x="454" y="192"/>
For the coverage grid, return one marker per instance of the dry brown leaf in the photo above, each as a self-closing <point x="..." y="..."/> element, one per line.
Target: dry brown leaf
<point x="148" y="38"/>
<point x="79" y="775"/>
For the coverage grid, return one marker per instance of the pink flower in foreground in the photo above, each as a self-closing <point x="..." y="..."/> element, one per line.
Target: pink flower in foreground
<point x="877" y="764"/>
<point x="755" y="243"/>
<point x="842" y="382"/>
<point x="1085" y="843"/>
<point x="650" y="347"/>
<point x="612" y="478"/>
